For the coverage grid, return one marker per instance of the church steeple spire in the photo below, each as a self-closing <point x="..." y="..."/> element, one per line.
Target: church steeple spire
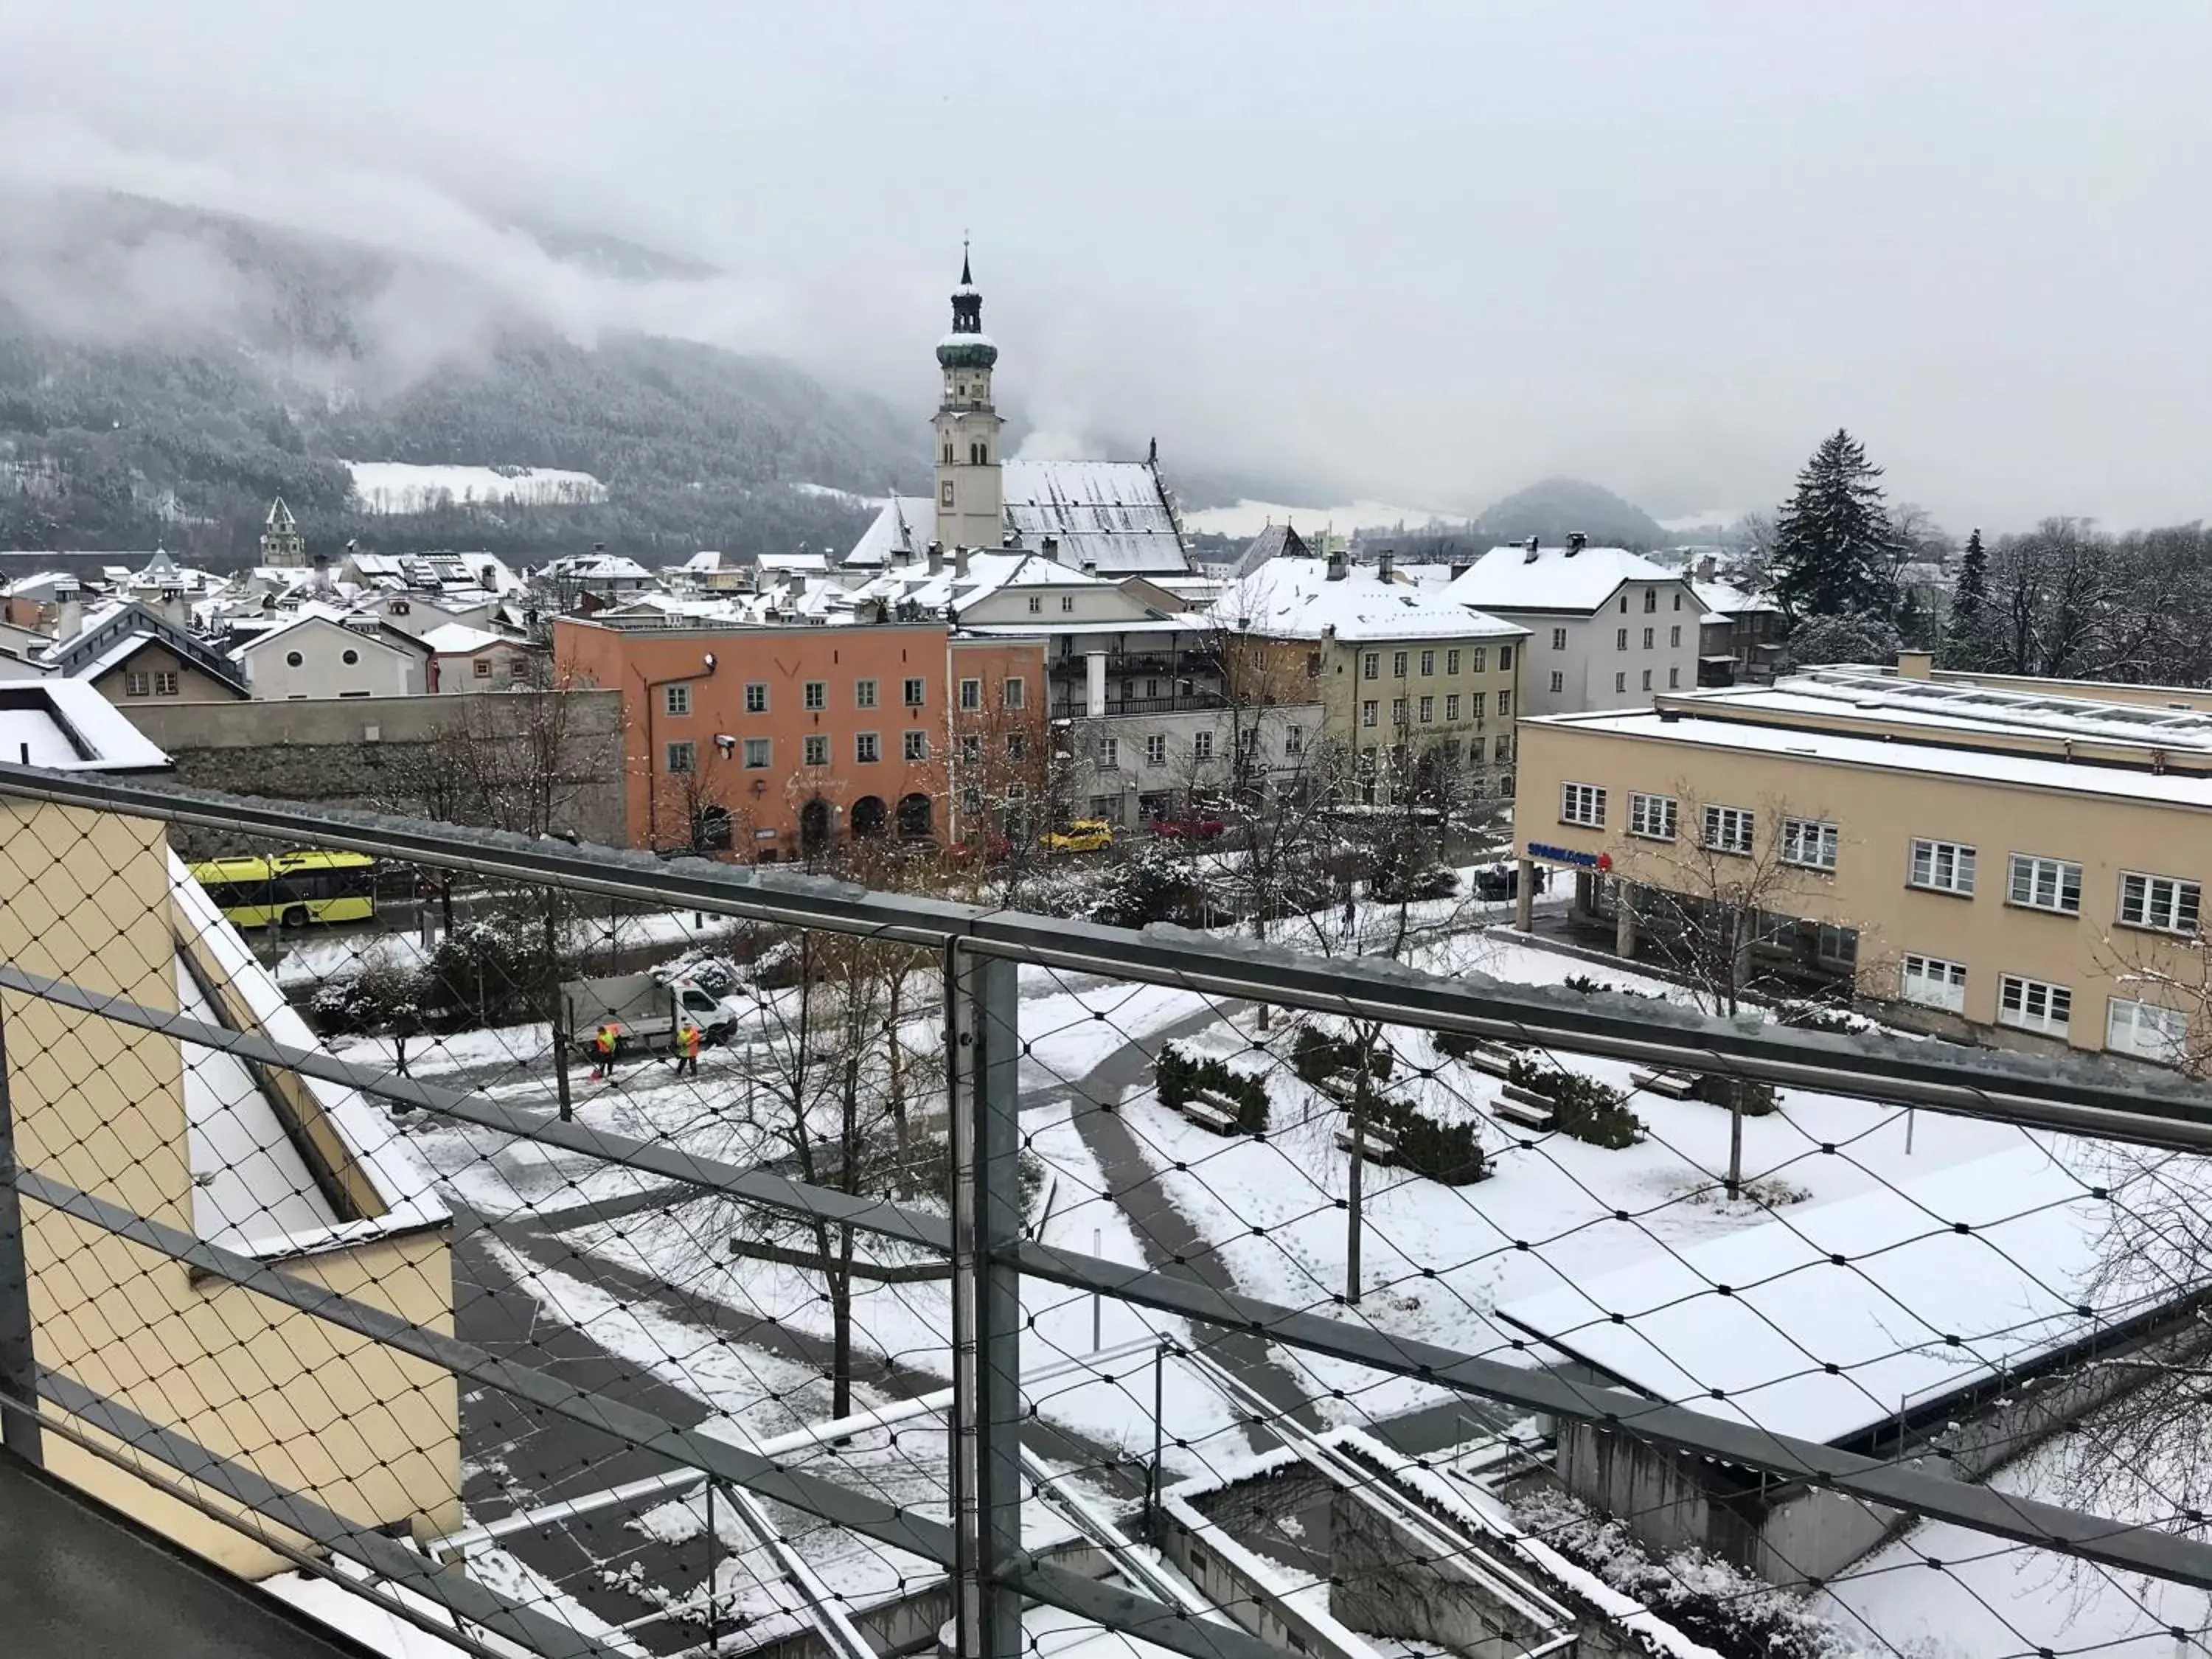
<point x="968" y="490"/>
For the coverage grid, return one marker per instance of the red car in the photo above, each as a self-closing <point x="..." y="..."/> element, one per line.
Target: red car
<point x="1197" y="826"/>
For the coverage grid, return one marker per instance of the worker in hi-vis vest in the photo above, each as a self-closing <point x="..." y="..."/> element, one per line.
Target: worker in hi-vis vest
<point x="686" y="1049"/>
<point x="604" y="1041"/>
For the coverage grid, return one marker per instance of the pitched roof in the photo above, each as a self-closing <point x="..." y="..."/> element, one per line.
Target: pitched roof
<point x="1115" y="514"/>
<point x="1277" y="541"/>
<point x="110" y="630"/>
<point x="1295" y="598"/>
<point x="1556" y="580"/>
<point x="903" y="524"/>
<point x="459" y="640"/>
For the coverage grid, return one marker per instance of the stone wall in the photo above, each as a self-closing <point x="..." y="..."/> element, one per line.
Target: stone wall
<point x="349" y="751"/>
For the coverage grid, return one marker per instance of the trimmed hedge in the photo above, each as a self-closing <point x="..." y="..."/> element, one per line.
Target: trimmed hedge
<point x="1316" y="1056"/>
<point x="1449" y="1152"/>
<point x="1752" y="1097"/>
<point x="1178" y="1076"/>
<point x="1588" y="1110"/>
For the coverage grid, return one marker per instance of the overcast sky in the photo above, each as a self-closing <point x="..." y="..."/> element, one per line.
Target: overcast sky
<point x="1426" y="253"/>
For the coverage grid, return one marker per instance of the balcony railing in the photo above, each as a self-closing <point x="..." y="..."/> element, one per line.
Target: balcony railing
<point x="1186" y="702"/>
<point x="928" y="1291"/>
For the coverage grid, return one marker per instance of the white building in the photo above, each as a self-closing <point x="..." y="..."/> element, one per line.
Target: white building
<point x="315" y="655"/>
<point x="465" y="659"/>
<point x="1608" y="628"/>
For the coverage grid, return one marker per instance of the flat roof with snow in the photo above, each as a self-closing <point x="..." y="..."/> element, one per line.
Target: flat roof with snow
<point x="1825" y="1321"/>
<point x="69" y="726"/>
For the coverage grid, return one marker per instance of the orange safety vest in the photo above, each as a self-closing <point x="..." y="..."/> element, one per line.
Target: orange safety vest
<point x="604" y="1039"/>
<point x="688" y="1042"/>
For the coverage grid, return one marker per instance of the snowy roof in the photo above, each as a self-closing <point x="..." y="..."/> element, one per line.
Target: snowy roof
<point x="1507" y="578"/>
<point x="1729" y="600"/>
<point x="113" y="632"/>
<point x="459" y="640"/>
<point x="381" y="633"/>
<point x="1916" y="1309"/>
<point x="252" y="1188"/>
<point x="794" y="564"/>
<point x="903" y="524"/>
<point x="69" y="726"/>
<point x="1114" y="513"/>
<point x="1295" y="598"/>
<point x="1276" y="541"/>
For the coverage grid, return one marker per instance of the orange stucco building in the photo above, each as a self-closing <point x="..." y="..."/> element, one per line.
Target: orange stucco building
<point x="770" y="743"/>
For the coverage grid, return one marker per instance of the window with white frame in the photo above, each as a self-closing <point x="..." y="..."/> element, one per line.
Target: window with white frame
<point x="2033" y="1005"/>
<point x="2146" y="1030"/>
<point x="1934" y="983"/>
<point x="1501" y="747"/>
<point x="971" y="694"/>
<point x="757" y="752"/>
<point x="2041" y="884"/>
<point x="917" y="693"/>
<point x="1647" y="639"/>
<point x="1651" y="817"/>
<point x="1370" y="665"/>
<point x="867" y="747"/>
<point x="1647" y="679"/>
<point x="1397" y="664"/>
<point x="1727" y="829"/>
<point x="864" y="694"/>
<point x="676" y="700"/>
<point x="1451" y="662"/>
<point x="1294" y="740"/>
<point x="164" y="682"/>
<point x="1481" y="663"/>
<point x="816" y="696"/>
<point x="1109" y="754"/>
<point x="1673" y="679"/>
<point x="1582" y="803"/>
<point x="680" y="758"/>
<point x="1036" y="605"/>
<point x="1017" y="745"/>
<point x="2165" y="902"/>
<point x="1201" y="745"/>
<point x="1397" y="711"/>
<point x="136" y="684"/>
<point x="1370" y="711"/>
<point x="971" y="750"/>
<point x="1942" y="867"/>
<point x="1451" y="706"/>
<point x="756" y="698"/>
<point x="1559" y="639"/>
<point x="1015" y="693"/>
<point x="1428" y="664"/>
<point x="1156" y="749"/>
<point x="1427" y="712"/>
<point x="1558" y="681"/>
<point x="1620" y="639"/>
<point x="1810" y="842"/>
<point x="1674" y="637"/>
<point x="817" y="749"/>
<point x="1651" y="599"/>
<point x="914" y="745"/>
<point x="1619" y="682"/>
<point x="1068" y="604"/>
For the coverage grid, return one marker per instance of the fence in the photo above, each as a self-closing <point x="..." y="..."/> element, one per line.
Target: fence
<point x="1407" y="1300"/>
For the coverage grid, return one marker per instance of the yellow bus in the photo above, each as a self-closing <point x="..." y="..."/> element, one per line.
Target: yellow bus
<point x="292" y="889"/>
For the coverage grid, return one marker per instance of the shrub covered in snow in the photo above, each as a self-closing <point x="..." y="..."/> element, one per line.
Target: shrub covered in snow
<point x="1703" y="1596"/>
<point x="1446" y="1152"/>
<point x="1588" y="1110"/>
<point x="1316" y="1056"/>
<point x="1179" y="1076"/>
<point x="1749" y="1095"/>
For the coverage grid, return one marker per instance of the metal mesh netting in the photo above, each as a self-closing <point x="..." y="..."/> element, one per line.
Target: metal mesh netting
<point x="517" y="1252"/>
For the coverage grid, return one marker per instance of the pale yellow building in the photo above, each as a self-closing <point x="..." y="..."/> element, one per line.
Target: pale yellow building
<point x="302" y="1174"/>
<point x="2016" y="861"/>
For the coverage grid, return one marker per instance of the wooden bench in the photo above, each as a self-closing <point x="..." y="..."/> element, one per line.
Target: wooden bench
<point x="1378" y="1148"/>
<point x="1515" y="1104"/>
<point x="1489" y="1060"/>
<point x="1207" y="1115"/>
<point x="1675" y="1085"/>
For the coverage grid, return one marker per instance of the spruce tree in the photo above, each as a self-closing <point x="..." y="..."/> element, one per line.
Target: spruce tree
<point x="1834" y="550"/>
<point x="1970" y="597"/>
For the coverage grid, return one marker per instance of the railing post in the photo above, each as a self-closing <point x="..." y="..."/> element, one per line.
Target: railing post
<point x="982" y="1051"/>
<point x="18" y="1368"/>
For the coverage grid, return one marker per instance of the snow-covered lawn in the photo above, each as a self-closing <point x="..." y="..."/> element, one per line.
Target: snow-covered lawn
<point x="1436" y="1259"/>
<point x="407" y="487"/>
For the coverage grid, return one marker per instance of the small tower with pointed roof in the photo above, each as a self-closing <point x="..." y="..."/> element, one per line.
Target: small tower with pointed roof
<point x="282" y="544"/>
<point x="970" y="496"/>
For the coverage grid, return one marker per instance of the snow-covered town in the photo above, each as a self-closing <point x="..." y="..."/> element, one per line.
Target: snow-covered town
<point x="698" y="962"/>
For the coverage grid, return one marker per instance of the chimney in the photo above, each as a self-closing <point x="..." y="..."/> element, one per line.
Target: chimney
<point x="1385" y="563"/>
<point x="1336" y="566"/>
<point x="598" y="547"/>
<point x="1915" y="664"/>
<point x="1012" y="539"/>
<point x="1457" y="569"/>
<point x="960" y="563"/>
<point x="935" y="557"/>
<point x="1090" y="567"/>
<point x="1706" y="567"/>
<point x="1052" y="549"/>
<point x="1533" y="545"/>
<point x="68" y="620"/>
<point x="322" y="573"/>
<point x="1576" y="541"/>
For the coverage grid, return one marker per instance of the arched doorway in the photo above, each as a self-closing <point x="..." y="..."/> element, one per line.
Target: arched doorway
<point x="814" y="825"/>
<point x="913" y="815"/>
<point x="869" y="816"/>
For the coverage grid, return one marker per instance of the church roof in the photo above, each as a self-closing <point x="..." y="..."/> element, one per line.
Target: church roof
<point x="1115" y="514"/>
<point x="1277" y="541"/>
<point x="904" y="524"/>
<point x="279" y="517"/>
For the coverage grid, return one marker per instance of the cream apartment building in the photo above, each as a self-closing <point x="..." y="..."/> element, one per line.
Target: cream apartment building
<point x="2015" y="862"/>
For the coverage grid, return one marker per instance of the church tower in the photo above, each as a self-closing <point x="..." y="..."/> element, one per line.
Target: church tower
<point x="970" y="500"/>
<point x="282" y="544"/>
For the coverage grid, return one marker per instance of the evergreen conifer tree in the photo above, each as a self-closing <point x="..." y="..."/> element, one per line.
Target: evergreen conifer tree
<point x="1834" y="549"/>
<point x="1971" y="595"/>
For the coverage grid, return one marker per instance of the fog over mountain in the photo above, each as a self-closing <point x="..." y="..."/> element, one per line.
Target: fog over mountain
<point x="1420" y="254"/>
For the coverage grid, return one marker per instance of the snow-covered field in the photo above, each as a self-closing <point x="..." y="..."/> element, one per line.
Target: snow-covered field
<point x="1250" y="518"/>
<point x="404" y="486"/>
